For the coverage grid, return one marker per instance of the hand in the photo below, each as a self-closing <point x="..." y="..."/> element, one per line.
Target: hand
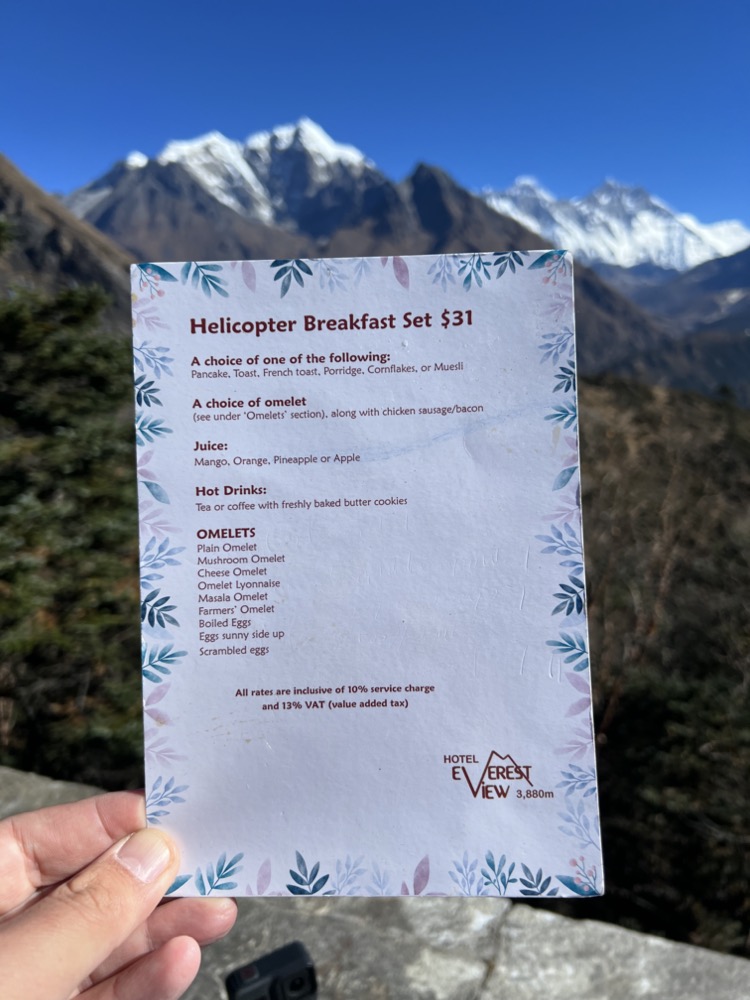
<point x="80" y="887"/>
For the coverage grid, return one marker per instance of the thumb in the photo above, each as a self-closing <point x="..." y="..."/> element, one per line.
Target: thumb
<point x="59" y="941"/>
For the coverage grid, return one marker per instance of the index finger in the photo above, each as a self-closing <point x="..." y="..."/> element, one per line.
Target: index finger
<point x="42" y="848"/>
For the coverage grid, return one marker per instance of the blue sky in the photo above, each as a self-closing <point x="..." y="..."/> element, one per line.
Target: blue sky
<point x="654" y="93"/>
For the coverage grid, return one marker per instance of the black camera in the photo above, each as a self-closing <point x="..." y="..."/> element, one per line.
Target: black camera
<point x="285" y="974"/>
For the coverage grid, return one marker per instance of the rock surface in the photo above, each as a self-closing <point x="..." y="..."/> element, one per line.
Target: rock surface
<point x="442" y="949"/>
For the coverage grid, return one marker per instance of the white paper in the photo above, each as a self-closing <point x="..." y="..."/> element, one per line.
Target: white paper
<point x="365" y="652"/>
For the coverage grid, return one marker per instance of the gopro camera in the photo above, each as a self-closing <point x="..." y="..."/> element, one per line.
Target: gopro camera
<point x="285" y="974"/>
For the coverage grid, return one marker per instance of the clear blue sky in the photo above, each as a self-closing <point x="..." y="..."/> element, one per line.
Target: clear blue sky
<point x="650" y="92"/>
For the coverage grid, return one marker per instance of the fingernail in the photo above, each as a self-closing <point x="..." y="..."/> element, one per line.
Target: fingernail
<point x="146" y="854"/>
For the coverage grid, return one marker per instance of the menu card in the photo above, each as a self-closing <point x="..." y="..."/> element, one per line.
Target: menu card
<point x="365" y="653"/>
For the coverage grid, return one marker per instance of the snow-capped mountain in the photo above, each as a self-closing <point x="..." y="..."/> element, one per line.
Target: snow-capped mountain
<point x="297" y="178"/>
<point x="619" y="225"/>
<point x="218" y="164"/>
<point x="294" y="176"/>
<point x="294" y="192"/>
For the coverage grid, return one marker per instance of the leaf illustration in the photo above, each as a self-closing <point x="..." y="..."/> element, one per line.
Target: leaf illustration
<point x="577" y="779"/>
<point x="556" y="344"/>
<point x="156" y="696"/>
<point x="579" y="683"/>
<point x="157" y="492"/>
<point x="264" y="877"/>
<point x="154" y="610"/>
<point x="145" y="313"/>
<point x="565" y="414"/>
<point x="442" y="269"/>
<point x="159" y="717"/>
<point x="547" y="259"/>
<point x="153" y="557"/>
<point x="566" y="379"/>
<point x="157" y="749"/>
<point x="495" y="875"/>
<point x="286" y="269"/>
<point x="571" y="595"/>
<point x="577" y="707"/>
<point x="205" y="276"/>
<point x="145" y="392"/>
<point x="248" y="274"/>
<point x="574" y="646"/>
<point x="162" y="796"/>
<point x="401" y="270"/>
<point x="232" y="866"/>
<point x="304" y="882"/>
<point x="474" y="269"/>
<point x="210" y="284"/>
<point x="149" y="428"/>
<point x="570" y="883"/>
<point x="564" y="477"/>
<point x="465" y="877"/>
<point x="158" y="359"/>
<point x="178" y="884"/>
<point x="216" y="878"/>
<point x="509" y="260"/>
<point x="421" y="875"/>
<point x="297" y="891"/>
<point x="157" y="270"/>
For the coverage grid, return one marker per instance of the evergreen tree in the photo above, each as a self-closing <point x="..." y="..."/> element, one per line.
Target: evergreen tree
<point x="69" y="650"/>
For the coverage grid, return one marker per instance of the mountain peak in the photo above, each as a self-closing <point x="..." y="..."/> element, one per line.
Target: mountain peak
<point x="308" y="136"/>
<point x="618" y="224"/>
<point x="297" y="177"/>
<point x="615" y="196"/>
<point x="212" y="144"/>
<point x="219" y="166"/>
<point x="526" y="186"/>
<point x="136" y="160"/>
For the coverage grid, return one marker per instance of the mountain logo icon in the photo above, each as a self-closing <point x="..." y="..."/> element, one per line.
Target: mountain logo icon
<point x="493" y="782"/>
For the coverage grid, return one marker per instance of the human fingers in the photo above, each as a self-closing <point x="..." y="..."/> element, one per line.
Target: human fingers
<point x="51" y="947"/>
<point x="203" y="920"/>
<point x="163" y="974"/>
<point x="206" y="920"/>
<point x="42" y="848"/>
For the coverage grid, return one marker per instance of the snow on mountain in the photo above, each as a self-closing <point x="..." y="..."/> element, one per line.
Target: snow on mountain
<point x="266" y="179"/>
<point x="304" y="172"/>
<point x="619" y="225"/>
<point x="297" y="177"/>
<point x="136" y="160"/>
<point x="263" y="147"/>
<point x="219" y="166"/>
<point x="83" y="202"/>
